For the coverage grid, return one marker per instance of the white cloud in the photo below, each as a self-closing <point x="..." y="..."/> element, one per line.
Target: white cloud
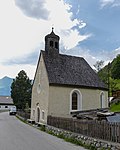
<point x="116" y="4"/>
<point x="116" y="52"/>
<point x="23" y="27"/>
<point x="78" y="10"/>
<point x="12" y="71"/>
<point x="71" y="38"/>
<point x="82" y="24"/>
<point x="106" y="56"/>
<point x="33" y="8"/>
<point x="113" y="3"/>
<point x="106" y="2"/>
<point x="21" y="35"/>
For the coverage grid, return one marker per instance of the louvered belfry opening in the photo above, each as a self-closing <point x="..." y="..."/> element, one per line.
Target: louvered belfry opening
<point x="52" y="43"/>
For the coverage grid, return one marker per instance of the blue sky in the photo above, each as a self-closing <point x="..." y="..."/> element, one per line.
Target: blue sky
<point x="87" y="28"/>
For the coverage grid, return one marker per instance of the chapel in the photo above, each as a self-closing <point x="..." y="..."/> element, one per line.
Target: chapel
<point x="64" y="84"/>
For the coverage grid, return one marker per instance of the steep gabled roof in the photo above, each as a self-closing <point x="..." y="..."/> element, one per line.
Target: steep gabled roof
<point x="71" y="70"/>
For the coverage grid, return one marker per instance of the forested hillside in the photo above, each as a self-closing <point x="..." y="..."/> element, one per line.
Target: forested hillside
<point x="110" y="74"/>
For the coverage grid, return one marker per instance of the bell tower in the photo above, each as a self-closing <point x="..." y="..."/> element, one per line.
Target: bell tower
<point x="52" y="43"/>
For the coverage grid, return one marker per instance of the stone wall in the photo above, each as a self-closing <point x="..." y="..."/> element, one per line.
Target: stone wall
<point x="86" y="141"/>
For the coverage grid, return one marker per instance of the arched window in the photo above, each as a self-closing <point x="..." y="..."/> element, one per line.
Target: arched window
<point x="51" y="43"/>
<point x="37" y="114"/>
<point x="75" y="100"/>
<point x="102" y="100"/>
<point x="56" y="45"/>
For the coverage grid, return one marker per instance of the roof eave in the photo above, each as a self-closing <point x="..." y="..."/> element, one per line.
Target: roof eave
<point x="78" y="86"/>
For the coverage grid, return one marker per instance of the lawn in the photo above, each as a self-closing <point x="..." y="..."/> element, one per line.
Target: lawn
<point x="115" y="107"/>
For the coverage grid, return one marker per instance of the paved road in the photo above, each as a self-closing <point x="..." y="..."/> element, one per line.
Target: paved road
<point x="15" y="135"/>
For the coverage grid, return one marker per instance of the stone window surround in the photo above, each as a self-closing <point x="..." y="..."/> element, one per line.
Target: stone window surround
<point x="79" y="100"/>
<point x="102" y="99"/>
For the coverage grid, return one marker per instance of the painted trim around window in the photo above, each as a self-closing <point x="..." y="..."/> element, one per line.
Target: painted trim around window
<point x="79" y="100"/>
<point x="43" y="118"/>
<point x="102" y="101"/>
<point x="36" y="115"/>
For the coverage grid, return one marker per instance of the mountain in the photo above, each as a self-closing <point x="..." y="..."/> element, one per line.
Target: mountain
<point x="5" y="86"/>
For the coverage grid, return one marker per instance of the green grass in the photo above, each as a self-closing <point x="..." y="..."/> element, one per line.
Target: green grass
<point x="115" y="107"/>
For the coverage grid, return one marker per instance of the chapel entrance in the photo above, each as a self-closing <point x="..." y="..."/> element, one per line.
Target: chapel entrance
<point x="38" y="115"/>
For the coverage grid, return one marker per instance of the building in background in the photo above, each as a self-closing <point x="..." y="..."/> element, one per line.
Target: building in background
<point x="6" y="102"/>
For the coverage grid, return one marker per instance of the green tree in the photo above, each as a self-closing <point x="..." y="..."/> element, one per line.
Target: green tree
<point x="21" y="89"/>
<point x="98" y="65"/>
<point x="112" y="85"/>
<point x="115" y="70"/>
<point x="103" y="74"/>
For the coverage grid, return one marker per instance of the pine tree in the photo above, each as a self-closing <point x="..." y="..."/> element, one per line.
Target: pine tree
<point x="21" y="89"/>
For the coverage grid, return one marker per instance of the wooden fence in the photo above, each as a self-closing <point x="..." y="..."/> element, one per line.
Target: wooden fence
<point x="23" y="114"/>
<point x="96" y="129"/>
